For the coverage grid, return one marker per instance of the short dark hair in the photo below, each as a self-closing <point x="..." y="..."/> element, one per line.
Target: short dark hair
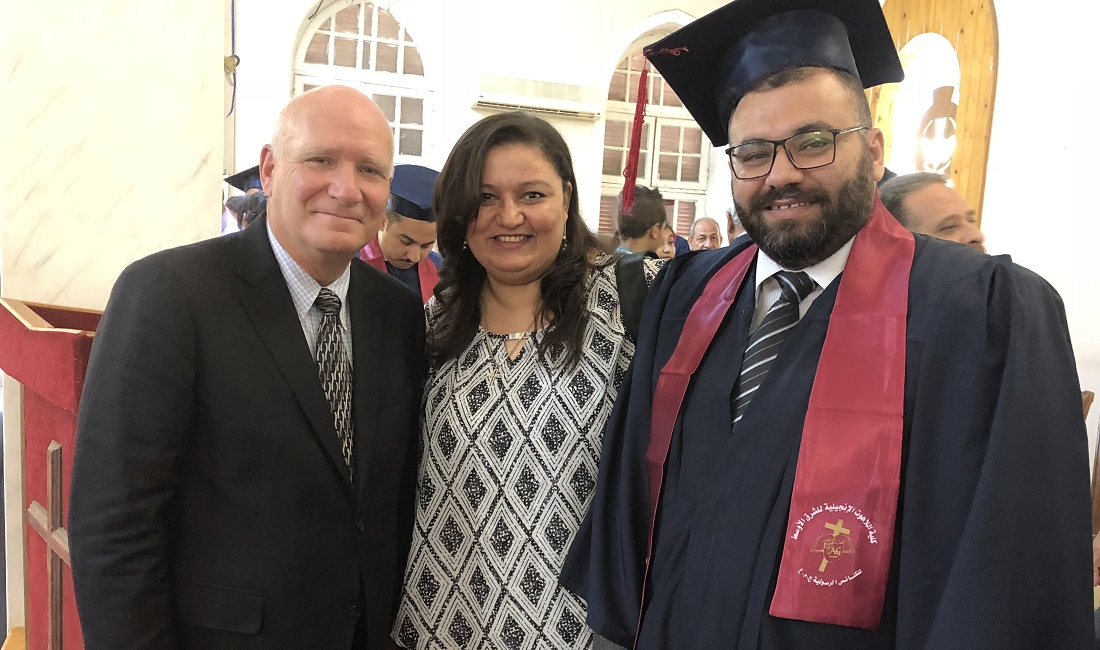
<point x="648" y="211"/>
<point x="254" y="207"/>
<point x="894" y="192"/>
<point x="236" y="203"/>
<point x="456" y="202"/>
<point x="794" y="74"/>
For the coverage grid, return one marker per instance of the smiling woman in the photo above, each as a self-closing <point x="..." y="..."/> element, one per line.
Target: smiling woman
<point x="528" y="348"/>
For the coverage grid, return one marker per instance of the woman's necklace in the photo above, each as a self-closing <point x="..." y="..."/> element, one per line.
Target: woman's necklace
<point x="496" y="373"/>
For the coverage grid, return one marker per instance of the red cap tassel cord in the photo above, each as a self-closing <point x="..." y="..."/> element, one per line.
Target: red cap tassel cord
<point x="633" y="155"/>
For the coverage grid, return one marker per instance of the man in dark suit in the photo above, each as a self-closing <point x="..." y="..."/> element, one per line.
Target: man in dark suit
<point x="246" y="453"/>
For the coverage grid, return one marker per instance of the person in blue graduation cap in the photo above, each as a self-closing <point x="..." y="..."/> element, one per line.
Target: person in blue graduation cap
<point x="247" y="181"/>
<point x="403" y="247"/>
<point x="902" y="462"/>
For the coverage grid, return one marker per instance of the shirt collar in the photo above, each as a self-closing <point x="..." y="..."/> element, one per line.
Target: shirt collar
<point x="303" y="288"/>
<point x="823" y="273"/>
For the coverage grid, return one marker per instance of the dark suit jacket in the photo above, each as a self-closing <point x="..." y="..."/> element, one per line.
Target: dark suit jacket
<point x="210" y="505"/>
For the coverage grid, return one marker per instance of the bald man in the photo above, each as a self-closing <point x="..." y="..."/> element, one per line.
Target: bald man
<point x="243" y="474"/>
<point x="924" y="204"/>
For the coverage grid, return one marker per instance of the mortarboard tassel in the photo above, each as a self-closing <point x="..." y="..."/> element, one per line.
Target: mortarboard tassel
<point x="633" y="155"/>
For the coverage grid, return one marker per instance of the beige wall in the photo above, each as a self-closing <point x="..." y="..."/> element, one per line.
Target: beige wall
<point x="111" y="127"/>
<point x="111" y="135"/>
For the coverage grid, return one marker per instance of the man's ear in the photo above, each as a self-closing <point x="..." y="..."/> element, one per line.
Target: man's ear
<point x="267" y="168"/>
<point x="877" y="147"/>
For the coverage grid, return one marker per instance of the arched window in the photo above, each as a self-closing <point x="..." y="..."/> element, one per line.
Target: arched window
<point x="674" y="155"/>
<point x="363" y="46"/>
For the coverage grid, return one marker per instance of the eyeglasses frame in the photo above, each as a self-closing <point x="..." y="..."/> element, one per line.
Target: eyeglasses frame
<point x="783" y="143"/>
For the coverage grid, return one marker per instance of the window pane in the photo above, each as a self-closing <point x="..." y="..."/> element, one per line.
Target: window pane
<point x="671" y="99"/>
<point x="343" y="52"/>
<point x="643" y="169"/>
<point x="412" y="142"/>
<point x="387" y="26"/>
<point x="412" y="110"/>
<point x="308" y="87"/>
<point x="347" y="21"/>
<point x="645" y="135"/>
<point x="693" y="140"/>
<point x="632" y="88"/>
<point x="637" y="60"/>
<point x="685" y="214"/>
<point x="623" y="65"/>
<point x="366" y="56"/>
<point x="413" y="64"/>
<point x="612" y="162"/>
<point x="670" y="139"/>
<point x="666" y="168"/>
<point x="388" y="104"/>
<point x="614" y="133"/>
<point x="617" y="90"/>
<point x="387" y="58"/>
<point x="689" y="168"/>
<point x="654" y="90"/>
<point x="317" y="52"/>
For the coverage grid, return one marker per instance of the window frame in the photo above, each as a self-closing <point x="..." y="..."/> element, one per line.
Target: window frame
<point x="371" y="82"/>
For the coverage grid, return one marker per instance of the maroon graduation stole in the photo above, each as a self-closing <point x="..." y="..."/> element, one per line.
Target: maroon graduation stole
<point x="839" y="540"/>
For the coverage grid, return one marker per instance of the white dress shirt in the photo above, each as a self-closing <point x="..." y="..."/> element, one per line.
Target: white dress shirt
<point x="767" y="287"/>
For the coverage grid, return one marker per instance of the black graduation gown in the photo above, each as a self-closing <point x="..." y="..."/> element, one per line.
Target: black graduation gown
<point x="992" y="546"/>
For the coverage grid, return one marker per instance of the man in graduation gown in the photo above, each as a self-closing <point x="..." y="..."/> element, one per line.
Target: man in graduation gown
<point x="403" y="247"/>
<point x="903" y="463"/>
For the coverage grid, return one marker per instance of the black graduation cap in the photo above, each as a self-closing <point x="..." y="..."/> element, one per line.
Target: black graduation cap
<point x="411" y="192"/>
<point x="248" y="179"/>
<point x="713" y="61"/>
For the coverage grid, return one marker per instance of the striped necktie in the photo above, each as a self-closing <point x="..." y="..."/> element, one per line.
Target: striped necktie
<point x="765" y="342"/>
<point x="335" y="369"/>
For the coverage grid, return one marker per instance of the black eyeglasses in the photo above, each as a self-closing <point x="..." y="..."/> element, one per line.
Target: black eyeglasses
<point x="808" y="150"/>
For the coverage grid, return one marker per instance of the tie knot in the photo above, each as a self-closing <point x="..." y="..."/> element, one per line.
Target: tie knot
<point x="328" y="302"/>
<point x="796" y="285"/>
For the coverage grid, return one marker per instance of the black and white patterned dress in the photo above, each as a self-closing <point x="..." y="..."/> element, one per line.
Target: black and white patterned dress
<point x="509" y="460"/>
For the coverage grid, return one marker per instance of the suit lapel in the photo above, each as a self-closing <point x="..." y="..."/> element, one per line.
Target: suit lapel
<point x="266" y="299"/>
<point x="740" y="319"/>
<point x="366" y="331"/>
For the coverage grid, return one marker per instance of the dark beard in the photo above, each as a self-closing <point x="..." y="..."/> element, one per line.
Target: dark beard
<point x="796" y="246"/>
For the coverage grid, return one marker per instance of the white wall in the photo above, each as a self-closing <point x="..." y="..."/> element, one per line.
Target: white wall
<point x="1040" y="199"/>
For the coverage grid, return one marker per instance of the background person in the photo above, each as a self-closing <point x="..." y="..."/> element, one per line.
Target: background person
<point x="734" y="229"/>
<point x="646" y="228"/>
<point x="409" y="234"/>
<point x="705" y="235"/>
<point x="924" y="204"/>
